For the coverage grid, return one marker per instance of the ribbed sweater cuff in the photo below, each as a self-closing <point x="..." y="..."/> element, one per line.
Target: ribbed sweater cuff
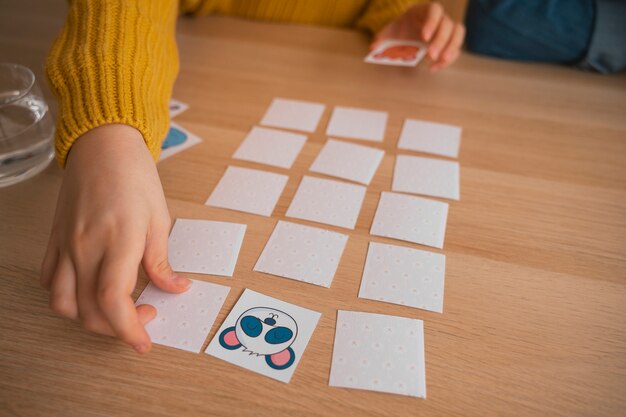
<point x="114" y="61"/>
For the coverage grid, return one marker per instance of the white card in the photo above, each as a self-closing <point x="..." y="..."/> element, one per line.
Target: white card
<point x="327" y="201"/>
<point x="303" y="253"/>
<point x="178" y="139"/>
<point x="248" y="190"/>
<point x="205" y="247"/>
<point x="345" y="160"/>
<point x="183" y="320"/>
<point x="354" y="123"/>
<point x="377" y="352"/>
<point x="426" y="176"/>
<point x="264" y="335"/>
<point x="410" y="218"/>
<point x="293" y="114"/>
<point x="271" y="147"/>
<point x="430" y="137"/>
<point x="403" y="53"/>
<point x="405" y="276"/>
<point x="177" y="107"/>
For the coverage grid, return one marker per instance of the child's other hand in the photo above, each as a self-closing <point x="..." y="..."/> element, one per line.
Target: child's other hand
<point x="110" y="217"/>
<point x="427" y="23"/>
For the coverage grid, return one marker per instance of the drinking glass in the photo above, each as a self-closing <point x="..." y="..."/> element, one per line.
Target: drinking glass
<point x="26" y="126"/>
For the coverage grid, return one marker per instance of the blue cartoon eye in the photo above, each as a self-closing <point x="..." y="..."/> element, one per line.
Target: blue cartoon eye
<point x="251" y="326"/>
<point x="278" y="335"/>
<point x="174" y="138"/>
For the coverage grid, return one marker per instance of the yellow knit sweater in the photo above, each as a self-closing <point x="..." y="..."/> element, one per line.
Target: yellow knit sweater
<point x="115" y="61"/>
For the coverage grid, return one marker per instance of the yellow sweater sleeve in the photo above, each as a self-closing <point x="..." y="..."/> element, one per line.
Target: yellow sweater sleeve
<point x="379" y="13"/>
<point x="114" y="61"/>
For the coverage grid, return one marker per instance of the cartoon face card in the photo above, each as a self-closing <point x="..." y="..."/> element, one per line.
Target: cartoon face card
<point x="178" y="139"/>
<point x="265" y="335"/>
<point x="397" y="52"/>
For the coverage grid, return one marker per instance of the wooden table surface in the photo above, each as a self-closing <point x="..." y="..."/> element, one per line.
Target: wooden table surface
<point x="534" y="318"/>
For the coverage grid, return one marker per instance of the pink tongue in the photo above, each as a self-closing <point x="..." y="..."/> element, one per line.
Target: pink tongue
<point x="231" y="338"/>
<point x="281" y="358"/>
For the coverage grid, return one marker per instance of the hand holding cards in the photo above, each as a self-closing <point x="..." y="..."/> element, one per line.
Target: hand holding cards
<point x="397" y="52"/>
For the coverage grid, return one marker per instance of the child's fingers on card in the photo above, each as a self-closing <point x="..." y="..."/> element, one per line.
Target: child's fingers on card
<point x="157" y="266"/>
<point x="434" y="14"/>
<point x="441" y="38"/>
<point x="63" y="289"/>
<point x="118" y="275"/>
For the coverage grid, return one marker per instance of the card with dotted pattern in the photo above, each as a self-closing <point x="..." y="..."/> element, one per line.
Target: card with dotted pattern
<point x="293" y="114"/>
<point x="205" y="246"/>
<point x="348" y="161"/>
<point x="270" y="147"/>
<point x="327" y="201"/>
<point x="410" y="218"/>
<point x="183" y="320"/>
<point x="426" y="176"/>
<point x="302" y="253"/>
<point x="405" y="276"/>
<point x="353" y="123"/>
<point x="248" y="190"/>
<point x="429" y="137"/>
<point x="378" y="352"/>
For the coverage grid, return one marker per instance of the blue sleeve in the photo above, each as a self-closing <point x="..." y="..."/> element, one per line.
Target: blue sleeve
<point x="607" y="49"/>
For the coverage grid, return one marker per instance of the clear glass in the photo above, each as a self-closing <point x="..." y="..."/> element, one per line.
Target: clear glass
<point x="26" y="126"/>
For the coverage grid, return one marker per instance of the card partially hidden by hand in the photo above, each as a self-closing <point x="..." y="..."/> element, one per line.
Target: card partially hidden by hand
<point x="178" y="139"/>
<point x="264" y="335"/>
<point x="397" y="52"/>
<point x="183" y="320"/>
<point x="377" y="352"/>
<point x="177" y="107"/>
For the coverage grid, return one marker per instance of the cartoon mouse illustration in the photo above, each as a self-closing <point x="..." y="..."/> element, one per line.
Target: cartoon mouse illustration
<point x="263" y="331"/>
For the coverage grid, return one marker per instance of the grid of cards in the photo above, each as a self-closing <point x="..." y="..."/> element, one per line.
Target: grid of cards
<point x="269" y="336"/>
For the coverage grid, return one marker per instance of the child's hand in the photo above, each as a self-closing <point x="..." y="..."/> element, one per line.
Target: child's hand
<point x="428" y="23"/>
<point x="111" y="216"/>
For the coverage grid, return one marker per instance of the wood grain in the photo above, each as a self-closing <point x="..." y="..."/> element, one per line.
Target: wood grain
<point x="535" y="304"/>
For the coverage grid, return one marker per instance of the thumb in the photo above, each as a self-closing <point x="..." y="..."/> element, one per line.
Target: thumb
<point x="157" y="266"/>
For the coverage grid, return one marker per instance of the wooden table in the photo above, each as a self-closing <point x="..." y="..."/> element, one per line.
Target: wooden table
<point x="535" y="299"/>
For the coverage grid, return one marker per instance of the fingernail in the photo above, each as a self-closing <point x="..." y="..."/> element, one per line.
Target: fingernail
<point x="141" y="348"/>
<point x="181" y="281"/>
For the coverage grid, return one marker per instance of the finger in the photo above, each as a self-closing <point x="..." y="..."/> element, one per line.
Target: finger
<point x="441" y="64"/>
<point x="155" y="263"/>
<point x="441" y="38"/>
<point x="63" y="289"/>
<point x="434" y="15"/>
<point x="91" y="317"/>
<point x="146" y="313"/>
<point x="451" y="51"/>
<point x="118" y="275"/>
<point x="48" y="265"/>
